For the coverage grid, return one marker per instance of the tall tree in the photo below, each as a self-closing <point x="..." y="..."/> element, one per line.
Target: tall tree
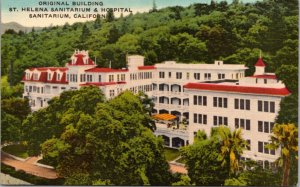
<point x="232" y="146"/>
<point x="110" y="15"/>
<point x="285" y="137"/>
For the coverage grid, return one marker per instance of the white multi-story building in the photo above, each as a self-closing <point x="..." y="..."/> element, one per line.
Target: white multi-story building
<point x="201" y="96"/>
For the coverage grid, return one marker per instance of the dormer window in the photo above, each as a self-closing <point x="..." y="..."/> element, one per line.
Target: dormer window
<point x="27" y="76"/>
<point x="58" y="76"/>
<point x="49" y="76"/>
<point x="35" y="76"/>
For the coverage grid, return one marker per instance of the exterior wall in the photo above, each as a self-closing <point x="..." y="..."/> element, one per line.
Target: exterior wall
<point x="231" y="113"/>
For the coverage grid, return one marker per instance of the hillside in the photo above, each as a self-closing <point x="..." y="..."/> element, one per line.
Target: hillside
<point x="198" y="33"/>
<point x="16" y="27"/>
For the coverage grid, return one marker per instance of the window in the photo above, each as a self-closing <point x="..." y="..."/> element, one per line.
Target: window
<point x="161" y="74"/>
<point x="265" y="81"/>
<point x="259" y="105"/>
<point x="170" y="74"/>
<point x="272" y="107"/>
<point x="200" y="118"/>
<point x="195" y="118"/>
<point x="220" y="102"/>
<point x="242" y="104"/>
<point x="178" y="75"/>
<point x="242" y="123"/>
<point x="122" y="77"/>
<point x="111" y="78"/>
<point x="236" y="104"/>
<point x="220" y="120"/>
<point x="49" y="76"/>
<point x="207" y="76"/>
<point x="200" y="100"/>
<point x="221" y="75"/>
<point x="265" y="126"/>
<point x="260" y="147"/>
<point x="197" y="76"/>
<point x="35" y="76"/>
<point x="58" y="76"/>
<point x="99" y="78"/>
<point x="266" y="106"/>
<point x="89" y="78"/>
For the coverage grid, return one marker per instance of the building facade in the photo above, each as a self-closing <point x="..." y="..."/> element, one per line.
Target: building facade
<point x="201" y="96"/>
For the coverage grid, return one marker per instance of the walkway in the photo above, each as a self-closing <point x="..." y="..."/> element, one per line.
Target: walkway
<point x="29" y="166"/>
<point x="176" y="167"/>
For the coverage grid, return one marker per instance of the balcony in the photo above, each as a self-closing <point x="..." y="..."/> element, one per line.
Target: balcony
<point x="180" y="130"/>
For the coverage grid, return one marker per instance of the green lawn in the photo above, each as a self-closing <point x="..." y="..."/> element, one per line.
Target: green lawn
<point x="171" y="154"/>
<point x="181" y="160"/>
<point x="18" y="150"/>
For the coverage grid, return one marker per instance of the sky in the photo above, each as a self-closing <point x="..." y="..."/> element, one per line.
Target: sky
<point x="11" y="10"/>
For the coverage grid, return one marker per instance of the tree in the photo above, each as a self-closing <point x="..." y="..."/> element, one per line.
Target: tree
<point x="63" y="110"/>
<point x="232" y="146"/>
<point x="110" y="15"/>
<point x="17" y="107"/>
<point x="289" y="76"/>
<point x="154" y="7"/>
<point x="115" y="139"/>
<point x="98" y="22"/>
<point x="10" y="128"/>
<point x="285" y="137"/>
<point x="203" y="162"/>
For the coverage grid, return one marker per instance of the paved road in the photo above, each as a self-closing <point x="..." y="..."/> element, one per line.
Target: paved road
<point x="29" y="167"/>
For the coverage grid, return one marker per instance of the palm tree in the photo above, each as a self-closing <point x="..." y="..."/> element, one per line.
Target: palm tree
<point x="285" y="136"/>
<point x="232" y="146"/>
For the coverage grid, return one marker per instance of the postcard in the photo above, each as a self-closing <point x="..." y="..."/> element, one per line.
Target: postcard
<point x="149" y="92"/>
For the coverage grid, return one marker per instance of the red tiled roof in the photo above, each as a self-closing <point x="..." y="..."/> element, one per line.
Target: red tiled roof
<point x="101" y="83"/>
<point x="49" y="68"/>
<point x="105" y="70"/>
<point x="265" y="76"/>
<point x="79" y="61"/>
<point x="238" y="89"/>
<point x="146" y="67"/>
<point x="260" y="62"/>
<point x="44" y="78"/>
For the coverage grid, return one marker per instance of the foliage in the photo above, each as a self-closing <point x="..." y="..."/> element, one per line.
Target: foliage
<point x="10" y="128"/>
<point x="113" y="139"/>
<point x="64" y="110"/>
<point x="232" y="146"/>
<point x="184" y="181"/>
<point x="7" y="91"/>
<point x="257" y="176"/>
<point x="201" y="32"/>
<point x="16" y="106"/>
<point x="285" y="137"/>
<point x="288" y="112"/>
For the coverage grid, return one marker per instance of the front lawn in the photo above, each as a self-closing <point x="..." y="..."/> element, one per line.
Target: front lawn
<point x="18" y="150"/>
<point x="171" y="154"/>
